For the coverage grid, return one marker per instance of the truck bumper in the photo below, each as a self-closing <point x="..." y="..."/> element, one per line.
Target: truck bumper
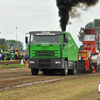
<point x="46" y="63"/>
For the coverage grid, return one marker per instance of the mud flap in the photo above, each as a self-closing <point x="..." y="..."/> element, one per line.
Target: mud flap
<point x="81" y="66"/>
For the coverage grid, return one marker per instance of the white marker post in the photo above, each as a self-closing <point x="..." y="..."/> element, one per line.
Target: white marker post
<point x="99" y="87"/>
<point x="21" y="61"/>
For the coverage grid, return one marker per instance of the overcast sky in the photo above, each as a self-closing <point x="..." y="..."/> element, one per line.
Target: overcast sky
<point x="38" y="15"/>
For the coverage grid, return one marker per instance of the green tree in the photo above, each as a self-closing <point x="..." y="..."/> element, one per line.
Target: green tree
<point x="27" y="47"/>
<point x="81" y="48"/>
<point x="97" y="22"/>
<point x="3" y="47"/>
<point x="89" y="25"/>
<point x="2" y="41"/>
<point x="11" y="44"/>
<point x="80" y="36"/>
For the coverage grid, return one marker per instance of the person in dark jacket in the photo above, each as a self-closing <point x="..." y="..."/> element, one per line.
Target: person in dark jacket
<point x="3" y="56"/>
<point x="0" y="56"/>
<point x="26" y="57"/>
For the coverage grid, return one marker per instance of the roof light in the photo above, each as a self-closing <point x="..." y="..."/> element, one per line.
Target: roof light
<point x="82" y="28"/>
<point x="97" y="27"/>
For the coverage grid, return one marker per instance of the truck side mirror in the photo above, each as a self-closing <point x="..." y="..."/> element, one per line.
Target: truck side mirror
<point x="66" y="40"/>
<point x="26" y="40"/>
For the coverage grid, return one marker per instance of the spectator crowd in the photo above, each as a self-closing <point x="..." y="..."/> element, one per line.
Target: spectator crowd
<point x="16" y="57"/>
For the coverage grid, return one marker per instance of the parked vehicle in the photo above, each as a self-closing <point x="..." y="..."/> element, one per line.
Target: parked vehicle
<point x="52" y="51"/>
<point x="89" y="58"/>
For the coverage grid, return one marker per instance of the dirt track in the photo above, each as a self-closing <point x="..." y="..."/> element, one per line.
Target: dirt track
<point x="11" y="78"/>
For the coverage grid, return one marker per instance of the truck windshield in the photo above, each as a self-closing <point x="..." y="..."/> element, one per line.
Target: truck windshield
<point x="45" y="39"/>
<point x="89" y="37"/>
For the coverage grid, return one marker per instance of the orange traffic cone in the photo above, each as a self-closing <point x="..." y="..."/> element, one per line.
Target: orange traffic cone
<point x="26" y="63"/>
<point x="0" y="66"/>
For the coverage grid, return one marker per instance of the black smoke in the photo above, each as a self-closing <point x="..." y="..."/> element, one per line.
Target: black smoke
<point x="66" y="7"/>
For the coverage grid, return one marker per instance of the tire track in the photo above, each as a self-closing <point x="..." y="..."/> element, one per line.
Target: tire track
<point x="69" y="77"/>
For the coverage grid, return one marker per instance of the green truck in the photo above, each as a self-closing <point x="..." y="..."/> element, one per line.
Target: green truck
<point x="51" y="51"/>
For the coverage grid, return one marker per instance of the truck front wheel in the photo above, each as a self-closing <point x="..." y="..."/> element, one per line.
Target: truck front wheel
<point x="65" y="70"/>
<point x="34" y="71"/>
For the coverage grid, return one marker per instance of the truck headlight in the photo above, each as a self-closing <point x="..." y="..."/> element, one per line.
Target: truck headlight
<point x="32" y="62"/>
<point x="57" y="62"/>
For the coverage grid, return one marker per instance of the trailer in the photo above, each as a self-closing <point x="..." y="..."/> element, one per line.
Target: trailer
<point x="89" y="58"/>
<point x="51" y="51"/>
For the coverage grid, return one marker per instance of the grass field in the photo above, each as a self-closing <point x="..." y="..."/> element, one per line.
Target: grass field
<point x="74" y="89"/>
<point x="12" y="66"/>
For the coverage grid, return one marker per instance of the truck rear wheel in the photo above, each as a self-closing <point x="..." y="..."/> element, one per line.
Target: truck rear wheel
<point x="65" y="70"/>
<point x="74" y="70"/>
<point x="34" y="71"/>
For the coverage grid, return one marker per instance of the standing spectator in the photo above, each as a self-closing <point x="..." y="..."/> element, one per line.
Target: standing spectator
<point x="26" y="57"/>
<point x="16" y="58"/>
<point x="22" y="56"/>
<point x="0" y="56"/>
<point x="3" y="56"/>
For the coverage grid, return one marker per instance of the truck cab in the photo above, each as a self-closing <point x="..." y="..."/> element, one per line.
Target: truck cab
<point x="90" y="40"/>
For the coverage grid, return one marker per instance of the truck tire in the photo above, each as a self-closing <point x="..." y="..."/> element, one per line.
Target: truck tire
<point x="34" y="71"/>
<point x="74" y="70"/>
<point x="65" y="70"/>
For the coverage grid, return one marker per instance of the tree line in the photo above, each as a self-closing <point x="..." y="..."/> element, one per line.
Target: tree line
<point x="11" y="44"/>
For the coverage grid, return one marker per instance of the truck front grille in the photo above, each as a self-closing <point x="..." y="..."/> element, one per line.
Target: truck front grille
<point x="44" y="53"/>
